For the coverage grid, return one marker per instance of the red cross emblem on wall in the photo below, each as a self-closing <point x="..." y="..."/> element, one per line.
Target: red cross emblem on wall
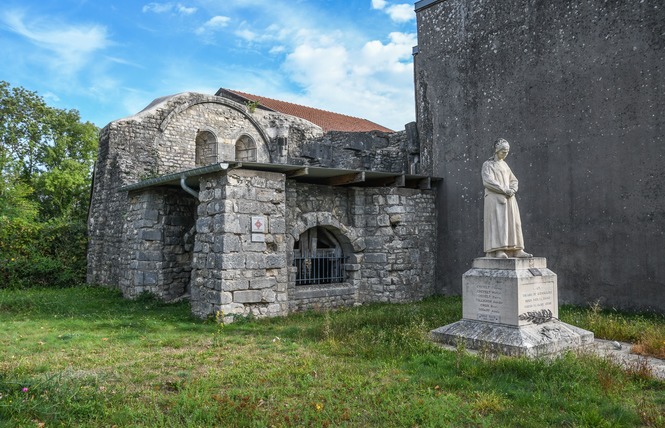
<point x="258" y="224"/>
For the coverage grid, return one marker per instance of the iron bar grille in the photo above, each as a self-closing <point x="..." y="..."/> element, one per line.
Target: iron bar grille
<point x="322" y="267"/>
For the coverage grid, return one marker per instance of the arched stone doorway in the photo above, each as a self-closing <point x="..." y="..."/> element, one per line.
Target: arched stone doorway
<point x="318" y="257"/>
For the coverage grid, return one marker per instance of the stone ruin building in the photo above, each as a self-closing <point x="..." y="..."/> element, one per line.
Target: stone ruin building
<point x="248" y="205"/>
<point x="577" y="87"/>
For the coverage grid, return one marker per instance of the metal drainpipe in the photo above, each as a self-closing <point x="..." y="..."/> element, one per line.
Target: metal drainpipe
<point x="210" y="168"/>
<point x="186" y="188"/>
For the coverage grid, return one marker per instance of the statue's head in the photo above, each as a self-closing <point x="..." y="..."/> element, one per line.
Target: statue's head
<point x="501" y="144"/>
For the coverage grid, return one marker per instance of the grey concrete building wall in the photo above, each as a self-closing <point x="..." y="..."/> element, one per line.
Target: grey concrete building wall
<point x="578" y="88"/>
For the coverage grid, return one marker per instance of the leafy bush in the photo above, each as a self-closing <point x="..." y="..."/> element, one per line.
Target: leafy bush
<point x="41" y="254"/>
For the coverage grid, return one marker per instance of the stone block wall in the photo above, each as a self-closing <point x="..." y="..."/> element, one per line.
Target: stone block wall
<point x="158" y="242"/>
<point x="309" y="206"/>
<point x="373" y="151"/>
<point x="159" y="140"/>
<point x="387" y="234"/>
<point x="400" y="228"/>
<point x="175" y="244"/>
<point x="119" y="163"/>
<point x="163" y="241"/>
<point x="232" y="274"/>
<point x="177" y="142"/>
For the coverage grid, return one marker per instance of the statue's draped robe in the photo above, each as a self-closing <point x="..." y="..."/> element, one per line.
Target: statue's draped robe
<point x="502" y="223"/>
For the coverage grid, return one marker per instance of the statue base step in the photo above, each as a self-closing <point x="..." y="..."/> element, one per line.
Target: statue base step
<point x="533" y="340"/>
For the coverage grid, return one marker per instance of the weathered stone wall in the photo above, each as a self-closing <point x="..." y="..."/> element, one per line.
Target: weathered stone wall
<point x="157" y="257"/>
<point x="142" y="241"/>
<point x="233" y="276"/>
<point x="177" y="142"/>
<point x="309" y="206"/>
<point x="121" y="161"/>
<point x="400" y="228"/>
<point x="386" y="233"/>
<point x="286" y="133"/>
<point x="577" y="88"/>
<point x="372" y="151"/>
<point x="159" y="140"/>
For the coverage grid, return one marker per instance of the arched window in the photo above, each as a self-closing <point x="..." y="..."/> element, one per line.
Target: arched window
<point x="246" y="149"/>
<point x="206" y="148"/>
<point x="318" y="257"/>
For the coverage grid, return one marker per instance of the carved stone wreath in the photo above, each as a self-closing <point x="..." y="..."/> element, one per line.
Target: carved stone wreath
<point x="537" y="317"/>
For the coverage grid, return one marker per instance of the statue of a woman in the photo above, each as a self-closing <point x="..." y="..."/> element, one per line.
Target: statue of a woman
<point x="503" y="226"/>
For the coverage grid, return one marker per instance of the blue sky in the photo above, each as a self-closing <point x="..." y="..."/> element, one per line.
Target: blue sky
<point x="110" y="58"/>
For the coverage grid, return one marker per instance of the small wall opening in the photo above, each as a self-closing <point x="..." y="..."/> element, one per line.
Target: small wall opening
<point x="318" y="258"/>
<point x="246" y="149"/>
<point x="206" y="148"/>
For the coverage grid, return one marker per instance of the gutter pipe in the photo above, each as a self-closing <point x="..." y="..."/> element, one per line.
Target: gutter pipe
<point x="169" y="178"/>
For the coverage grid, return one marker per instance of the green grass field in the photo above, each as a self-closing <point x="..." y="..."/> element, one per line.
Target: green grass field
<point x="84" y="357"/>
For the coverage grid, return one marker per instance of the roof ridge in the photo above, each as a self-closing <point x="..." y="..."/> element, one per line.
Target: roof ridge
<point x="253" y="97"/>
<point x="296" y="104"/>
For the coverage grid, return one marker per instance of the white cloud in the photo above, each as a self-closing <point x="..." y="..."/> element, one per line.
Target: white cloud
<point x="71" y="46"/>
<point x="50" y="96"/>
<point x="186" y="10"/>
<point x="376" y="56"/>
<point x="326" y="62"/>
<point x="402" y="12"/>
<point x="310" y="65"/>
<point x="123" y="61"/>
<point x="157" y="7"/>
<point x="374" y="81"/>
<point x="247" y="35"/>
<point x="168" y="7"/>
<point x="378" y="4"/>
<point x="213" y="24"/>
<point x="275" y="50"/>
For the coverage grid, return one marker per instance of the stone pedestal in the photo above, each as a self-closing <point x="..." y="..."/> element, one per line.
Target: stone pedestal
<point x="510" y="306"/>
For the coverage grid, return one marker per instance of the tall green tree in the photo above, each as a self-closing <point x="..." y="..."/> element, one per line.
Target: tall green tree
<point x="46" y="157"/>
<point x="46" y="164"/>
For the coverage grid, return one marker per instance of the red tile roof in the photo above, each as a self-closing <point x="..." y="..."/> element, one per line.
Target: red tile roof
<point x="327" y="120"/>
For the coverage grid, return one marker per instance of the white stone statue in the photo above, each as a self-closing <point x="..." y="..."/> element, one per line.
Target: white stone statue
<point x="502" y="223"/>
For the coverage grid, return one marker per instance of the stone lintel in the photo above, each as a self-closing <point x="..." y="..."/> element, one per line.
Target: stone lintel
<point x="317" y="293"/>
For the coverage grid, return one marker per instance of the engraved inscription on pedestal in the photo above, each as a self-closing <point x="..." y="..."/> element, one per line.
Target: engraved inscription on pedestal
<point x="489" y="302"/>
<point x="538" y="296"/>
<point x="511" y="306"/>
<point x="499" y="291"/>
